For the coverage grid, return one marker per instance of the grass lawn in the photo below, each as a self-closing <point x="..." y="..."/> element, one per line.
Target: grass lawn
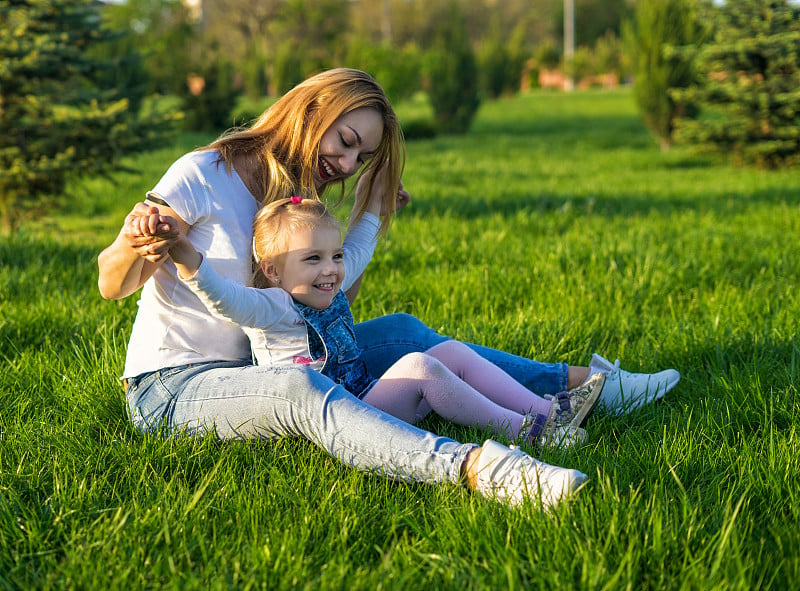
<point x="555" y="229"/>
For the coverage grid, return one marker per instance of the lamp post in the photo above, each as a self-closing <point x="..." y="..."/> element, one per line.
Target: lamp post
<point x="569" y="41"/>
<point x="386" y="21"/>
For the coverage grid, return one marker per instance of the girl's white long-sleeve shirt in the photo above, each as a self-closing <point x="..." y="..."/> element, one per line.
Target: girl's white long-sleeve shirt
<point x="277" y="332"/>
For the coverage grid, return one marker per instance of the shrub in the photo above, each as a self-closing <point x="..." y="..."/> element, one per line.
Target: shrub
<point x="658" y="24"/>
<point x="287" y="71"/>
<point x="395" y="69"/>
<point x="547" y="56"/>
<point x="211" y="108"/>
<point x="453" y="76"/>
<point x="750" y="89"/>
<point x="494" y="61"/>
<point x="61" y="113"/>
<point x="254" y="77"/>
<point x="418" y="129"/>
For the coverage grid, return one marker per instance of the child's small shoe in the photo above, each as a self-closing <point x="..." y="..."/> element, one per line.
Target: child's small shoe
<point x="570" y="410"/>
<point x="544" y="431"/>
<point x="573" y="407"/>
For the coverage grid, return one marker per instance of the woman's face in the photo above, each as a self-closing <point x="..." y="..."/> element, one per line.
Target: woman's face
<point x="347" y="144"/>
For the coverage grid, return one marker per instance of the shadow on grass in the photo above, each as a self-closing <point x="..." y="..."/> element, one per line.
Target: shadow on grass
<point x="591" y="130"/>
<point x="512" y="202"/>
<point x="666" y="183"/>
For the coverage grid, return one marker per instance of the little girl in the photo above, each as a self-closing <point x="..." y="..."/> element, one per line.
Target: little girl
<point x="297" y="313"/>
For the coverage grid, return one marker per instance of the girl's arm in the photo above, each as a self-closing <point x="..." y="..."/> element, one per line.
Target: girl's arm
<point x="139" y="249"/>
<point x="359" y="246"/>
<point x="232" y="301"/>
<point x="222" y="297"/>
<point x="374" y="207"/>
<point x="186" y="258"/>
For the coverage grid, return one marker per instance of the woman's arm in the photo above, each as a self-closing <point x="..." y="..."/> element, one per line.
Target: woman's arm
<point x="138" y="250"/>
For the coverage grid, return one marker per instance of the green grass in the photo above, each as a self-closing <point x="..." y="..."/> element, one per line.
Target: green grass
<point x="553" y="230"/>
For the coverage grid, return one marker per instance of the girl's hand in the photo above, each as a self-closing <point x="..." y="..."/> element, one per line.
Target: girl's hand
<point x="149" y="233"/>
<point x="187" y="260"/>
<point x="375" y="201"/>
<point x="403" y="198"/>
<point x="138" y="250"/>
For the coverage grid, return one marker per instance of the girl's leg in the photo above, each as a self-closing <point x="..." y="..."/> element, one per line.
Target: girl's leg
<point x="231" y="401"/>
<point x="420" y="378"/>
<point x="488" y="379"/>
<point x="386" y="339"/>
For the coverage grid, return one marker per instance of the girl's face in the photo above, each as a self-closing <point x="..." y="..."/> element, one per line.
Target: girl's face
<point x="312" y="270"/>
<point x="347" y="145"/>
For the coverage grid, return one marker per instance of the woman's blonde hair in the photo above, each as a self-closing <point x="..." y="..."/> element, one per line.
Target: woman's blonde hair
<point x="275" y="223"/>
<point x="285" y="139"/>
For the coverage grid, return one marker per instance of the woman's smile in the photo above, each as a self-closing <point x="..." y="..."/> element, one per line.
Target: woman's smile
<point x="326" y="171"/>
<point x="348" y="144"/>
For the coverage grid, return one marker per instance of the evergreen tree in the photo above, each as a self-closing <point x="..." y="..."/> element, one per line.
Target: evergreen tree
<point x="657" y="25"/>
<point x="750" y="90"/>
<point x="453" y="75"/>
<point x="210" y="108"/>
<point x="57" y="118"/>
<point x="494" y="60"/>
<point x="163" y="37"/>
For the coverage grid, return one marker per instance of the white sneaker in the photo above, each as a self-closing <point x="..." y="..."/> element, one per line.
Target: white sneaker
<point x="625" y="391"/>
<point x="509" y="475"/>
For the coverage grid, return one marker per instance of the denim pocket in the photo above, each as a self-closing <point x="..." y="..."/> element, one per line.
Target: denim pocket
<point x="341" y="336"/>
<point x="150" y="401"/>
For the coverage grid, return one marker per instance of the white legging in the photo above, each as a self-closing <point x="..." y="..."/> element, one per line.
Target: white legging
<point x="457" y="384"/>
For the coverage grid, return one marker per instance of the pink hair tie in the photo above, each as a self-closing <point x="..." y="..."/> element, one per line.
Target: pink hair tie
<point x="296" y="199"/>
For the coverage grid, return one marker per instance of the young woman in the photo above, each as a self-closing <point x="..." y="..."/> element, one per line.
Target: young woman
<point x="191" y="371"/>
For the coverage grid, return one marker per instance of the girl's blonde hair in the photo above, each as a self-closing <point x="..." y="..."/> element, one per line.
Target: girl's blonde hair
<point x="285" y="139"/>
<point x="275" y="223"/>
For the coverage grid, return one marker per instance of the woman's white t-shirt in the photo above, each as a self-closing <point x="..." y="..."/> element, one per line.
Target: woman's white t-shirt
<point x="172" y="326"/>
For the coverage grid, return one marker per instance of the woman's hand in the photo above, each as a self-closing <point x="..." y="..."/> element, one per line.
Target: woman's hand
<point x="150" y="234"/>
<point x="141" y="246"/>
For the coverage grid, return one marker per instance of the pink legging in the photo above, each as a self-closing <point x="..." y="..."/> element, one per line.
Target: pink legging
<point x="459" y="385"/>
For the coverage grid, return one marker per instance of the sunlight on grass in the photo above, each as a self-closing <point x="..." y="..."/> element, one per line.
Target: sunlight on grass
<point x="555" y="229"/>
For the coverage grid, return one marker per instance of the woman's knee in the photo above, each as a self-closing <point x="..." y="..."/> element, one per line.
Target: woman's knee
<point x="399" y="328"/>
<point x="403" y="322"/>
<point x="385" y="340"/>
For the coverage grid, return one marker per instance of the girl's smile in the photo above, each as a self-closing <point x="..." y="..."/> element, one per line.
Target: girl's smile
<point x="312" y="270"/>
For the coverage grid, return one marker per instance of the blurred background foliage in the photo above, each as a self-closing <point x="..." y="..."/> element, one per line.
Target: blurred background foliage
<point x="270" y="45"/>
<point x="153" y="66"/>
